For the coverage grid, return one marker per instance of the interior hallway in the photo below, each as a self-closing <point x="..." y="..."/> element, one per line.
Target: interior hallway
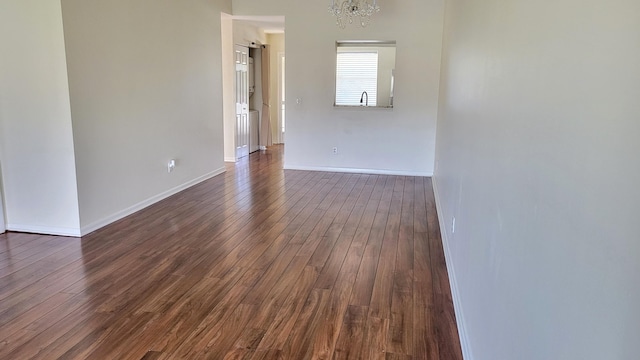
<point x="257" y="263"/>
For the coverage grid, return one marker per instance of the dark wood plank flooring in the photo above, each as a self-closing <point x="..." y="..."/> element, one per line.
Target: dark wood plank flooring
<point x="257" y="263"/>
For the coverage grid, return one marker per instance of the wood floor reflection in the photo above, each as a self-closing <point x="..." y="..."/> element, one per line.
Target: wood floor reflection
<point x="257" y="263"/>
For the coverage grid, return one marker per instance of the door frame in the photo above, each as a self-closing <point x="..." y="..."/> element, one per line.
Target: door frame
<point x="242" y="131"/>
<point x="3" y="223"/>
<point x="281" y="98"/>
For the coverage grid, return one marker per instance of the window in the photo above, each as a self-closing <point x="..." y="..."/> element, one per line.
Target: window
<point x="356" y="73"/>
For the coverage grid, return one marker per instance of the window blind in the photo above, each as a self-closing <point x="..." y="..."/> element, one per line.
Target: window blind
<point x="356" y="72"/>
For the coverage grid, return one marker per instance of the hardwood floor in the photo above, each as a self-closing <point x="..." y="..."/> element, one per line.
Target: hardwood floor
<point x="257" y="263"/>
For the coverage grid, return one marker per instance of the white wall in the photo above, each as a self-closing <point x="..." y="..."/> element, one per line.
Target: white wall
<point x="386" y="65"/>
<point x="538" y="162"/>
<point x="399" y="140"/>
<point x="37" y="149"/>
<point x="146" y="86"/>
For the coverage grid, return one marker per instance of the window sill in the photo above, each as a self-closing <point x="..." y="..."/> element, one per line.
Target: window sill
<point x="361" y="107"/>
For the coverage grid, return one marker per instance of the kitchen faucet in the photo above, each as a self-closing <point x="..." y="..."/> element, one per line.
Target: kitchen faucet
<point x="362" y="97"/>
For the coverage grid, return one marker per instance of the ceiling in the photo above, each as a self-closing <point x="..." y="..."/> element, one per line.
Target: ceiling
<point x="268" y="24"/>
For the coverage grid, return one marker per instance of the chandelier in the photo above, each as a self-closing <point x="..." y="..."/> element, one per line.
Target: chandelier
<point x="350" y="10"/>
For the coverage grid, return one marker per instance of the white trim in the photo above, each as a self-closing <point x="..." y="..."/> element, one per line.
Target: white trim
<point x="279" y="133"/>
<point x="145" y="203"/>
<point x="358" y="171"/>
<point x="3" y="220"/>
<point x="3" y="223"/>
<point x="230" y="159"/>
<point x="48" y="230"/>
<point x="453" y="283"/>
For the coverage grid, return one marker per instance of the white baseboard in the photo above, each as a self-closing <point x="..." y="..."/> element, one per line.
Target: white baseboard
<point x="462" y="329"/>
<point x="48" y="230"/>
<point x="358" y="171"/>
<point x="230" y="159"/>
<point x="148" y="202"/>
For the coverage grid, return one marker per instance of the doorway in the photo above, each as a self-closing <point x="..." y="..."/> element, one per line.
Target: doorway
<point x="252" y="35"/>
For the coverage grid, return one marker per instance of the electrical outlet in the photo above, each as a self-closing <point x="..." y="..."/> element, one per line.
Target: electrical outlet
<point x="171" y="165"/>
<point x="335" y="150"/>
